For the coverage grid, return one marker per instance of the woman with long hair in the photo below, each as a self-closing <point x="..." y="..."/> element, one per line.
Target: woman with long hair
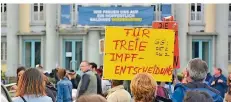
<point x="31" y="87"/>
<point x="20" y="71"/>
<point x="64" y="87"/>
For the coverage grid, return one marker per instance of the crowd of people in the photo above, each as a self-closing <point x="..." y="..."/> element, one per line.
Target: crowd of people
<point x="195" y="84"/>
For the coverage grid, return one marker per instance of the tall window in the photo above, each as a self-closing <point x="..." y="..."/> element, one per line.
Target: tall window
<point x="196" y="12"/>
<point x="229" y="12"/>
<point x="3" y="13"/>
<point x="38" y="12"/>
<point x="157" y="12"/>
<point x="3" y="51"/>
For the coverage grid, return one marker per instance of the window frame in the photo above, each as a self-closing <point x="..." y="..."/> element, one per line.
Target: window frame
<point x="32" y="55"/>
<point x="3" y="51"/>
<point x="38" y="13"/>
<point x="4" y="13"/>
<point x="201" y="13"/>
<point x="203" y="37"/>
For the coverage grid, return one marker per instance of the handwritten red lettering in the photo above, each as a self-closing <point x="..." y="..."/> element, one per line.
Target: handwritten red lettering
<point x="113" y="56"/>
<point x="135" y="32"/>
<point x="116" y="43"/>
<point x="142" y="47"/>
<point x="146" y="32"/>
<point x="130" y="45"/>
<point x="127" y="31"/>
<point x="123" y="43"/>
<point x="123" y="56"/>
<point x="149" y="69"/>
<point x="117" y="69"/>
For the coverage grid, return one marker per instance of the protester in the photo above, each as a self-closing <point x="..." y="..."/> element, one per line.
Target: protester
<point x="31" y="87"/>
<point x="184" y="79"/>
<point x="170" y="86"/>
<point x="106" y="85"/>
<point x="91" y="98"/>
<point x="208" y="78"/>
<point x="197" y="96"/>
<point x="100" y="71"/>
<point x="127" y="85"/>
<point x="75" y="78"/>
<point x="228" y="95"/>
<point x="40" y="68"/>
<point x="219" y="81"/>
<point x="161" y="90"/>
<point x="20" y="71"/>
<point x="197" y="70"/>
<point x="179" y="78"/>
<point x="64" y="87"/>
<point x="118" y="93"/>
<point x="88" y="82"/>
<point x="93" y="67"/>
<point x="143" y="87"/>
<point x="50" y="89"/>
<point x="54" y="77"/>
<point x="229" y="80"/>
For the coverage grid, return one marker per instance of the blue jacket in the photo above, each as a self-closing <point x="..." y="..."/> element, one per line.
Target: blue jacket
<point x="64" y="88"/>
<point x="208" y="78"/>
<point x="222" y="87"/>
<point x="180" y="91"/>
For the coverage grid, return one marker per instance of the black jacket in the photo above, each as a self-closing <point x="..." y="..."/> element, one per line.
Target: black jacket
<point x="99" y="85"/>
<point x="161" y="99"/>
<point x="75" y="81"/>
<point x="51" y="91"/>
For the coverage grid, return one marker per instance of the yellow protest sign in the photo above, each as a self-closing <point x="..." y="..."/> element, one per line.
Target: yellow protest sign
<point x="129" y="51"/>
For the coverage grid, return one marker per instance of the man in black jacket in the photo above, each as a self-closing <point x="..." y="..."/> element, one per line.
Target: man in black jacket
<point x="93" y="67"/>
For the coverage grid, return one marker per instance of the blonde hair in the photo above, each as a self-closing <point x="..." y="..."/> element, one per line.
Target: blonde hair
<point x="143" y="87"/>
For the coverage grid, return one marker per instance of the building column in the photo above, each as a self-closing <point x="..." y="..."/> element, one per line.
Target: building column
<point x="222" y="11"/>
<point x="210" y="17"/>
<point x="51" y="37"/>
<point x="182" y="17"/>
<point x="12" y="39"/>
<point x="93" y="46"/>
<point x="24" y="18"/>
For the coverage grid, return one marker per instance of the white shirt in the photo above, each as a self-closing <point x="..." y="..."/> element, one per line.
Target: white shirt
<point x="106" y="85"/>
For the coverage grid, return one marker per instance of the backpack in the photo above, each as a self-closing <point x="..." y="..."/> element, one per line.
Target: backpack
<point x="216" y="97"/>
<point x="162" y="92"/>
